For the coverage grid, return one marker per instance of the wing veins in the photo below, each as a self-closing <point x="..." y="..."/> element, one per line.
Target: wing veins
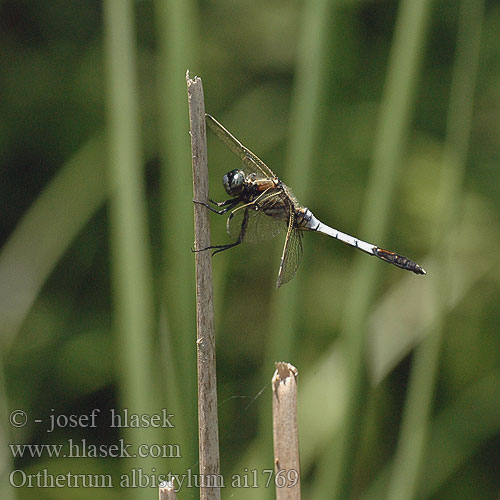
<point x="251" y="160"/>
<point x="292" y="253"/>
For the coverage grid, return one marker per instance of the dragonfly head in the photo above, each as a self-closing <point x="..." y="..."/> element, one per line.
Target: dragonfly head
<point x="234" y="182"/>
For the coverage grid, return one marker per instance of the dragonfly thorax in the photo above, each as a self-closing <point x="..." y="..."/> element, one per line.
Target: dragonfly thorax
<point x="234" y="182"/>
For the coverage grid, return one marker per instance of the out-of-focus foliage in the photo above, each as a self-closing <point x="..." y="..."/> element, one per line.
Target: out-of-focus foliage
<point x="59" y="347"/>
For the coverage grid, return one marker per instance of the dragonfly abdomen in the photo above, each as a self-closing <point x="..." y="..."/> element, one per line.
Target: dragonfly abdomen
<point x="398" y="260"/>
<point x="316" y="225"/>
<point x="392" y="258"/>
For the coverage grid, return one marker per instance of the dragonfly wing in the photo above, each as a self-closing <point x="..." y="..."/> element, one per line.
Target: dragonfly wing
<point x="250" y="160"/>
<point x="292" y="254"/>
<point x="253" y="224"/>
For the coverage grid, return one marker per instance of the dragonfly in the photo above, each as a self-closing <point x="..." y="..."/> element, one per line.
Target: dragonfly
<point x="261" y="206"/>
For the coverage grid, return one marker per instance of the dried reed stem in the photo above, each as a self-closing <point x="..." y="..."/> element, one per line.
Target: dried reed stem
<point x="285" y="432"/>
<point x="205" y="340"/>
<point x="167" y="491"/>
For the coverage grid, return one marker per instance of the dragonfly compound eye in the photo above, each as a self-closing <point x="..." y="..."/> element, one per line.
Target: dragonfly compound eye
<point x="234" y="182"/>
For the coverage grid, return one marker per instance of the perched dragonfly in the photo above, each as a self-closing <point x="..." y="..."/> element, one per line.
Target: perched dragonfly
<point x="261" y="206"/>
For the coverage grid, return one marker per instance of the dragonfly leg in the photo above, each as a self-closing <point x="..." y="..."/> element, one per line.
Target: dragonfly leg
<point x="224" y="203"/>
<point x="228" y="204"/>
<point x="241" y="236"/>
<point x="219" y="248"/>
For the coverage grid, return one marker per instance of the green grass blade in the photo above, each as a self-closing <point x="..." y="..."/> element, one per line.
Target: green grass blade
<point x="306" y="124"/>
<point x="409" y="459"/>
<point x="456" y="434"/>
<point x="177" y="51"/>
<point x="47" y="230"/>
<point x="307" y="120"/>
<point x="131" y="267"/>
<point x="404" y="64"/>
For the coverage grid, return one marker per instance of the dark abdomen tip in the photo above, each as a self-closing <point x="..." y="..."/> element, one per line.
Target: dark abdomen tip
<point x="398" y="260"/>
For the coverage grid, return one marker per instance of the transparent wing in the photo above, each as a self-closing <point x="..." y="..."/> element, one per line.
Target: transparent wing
<point x="254" y="225"/>
<point x="292" y="254"/>
<point x="251" y="161"/>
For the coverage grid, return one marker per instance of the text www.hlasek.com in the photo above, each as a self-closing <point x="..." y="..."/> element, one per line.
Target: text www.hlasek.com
<point x="82" y="449"/>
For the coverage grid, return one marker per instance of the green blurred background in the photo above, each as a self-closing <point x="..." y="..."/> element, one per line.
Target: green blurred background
<point x="384" y="118"/>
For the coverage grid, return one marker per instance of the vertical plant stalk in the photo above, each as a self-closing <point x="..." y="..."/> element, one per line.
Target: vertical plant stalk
<point x="306" y="126"/>
<point x="68" y="201"/>
<point x="285" y="432"/>
<point x="402" y="78"/>
<point x="205" y="337"/>
<point x="411" y="451"/>
<point x="176" y="32"/>
<point x="167" y="491"/>
<point x="131" y="267"/>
